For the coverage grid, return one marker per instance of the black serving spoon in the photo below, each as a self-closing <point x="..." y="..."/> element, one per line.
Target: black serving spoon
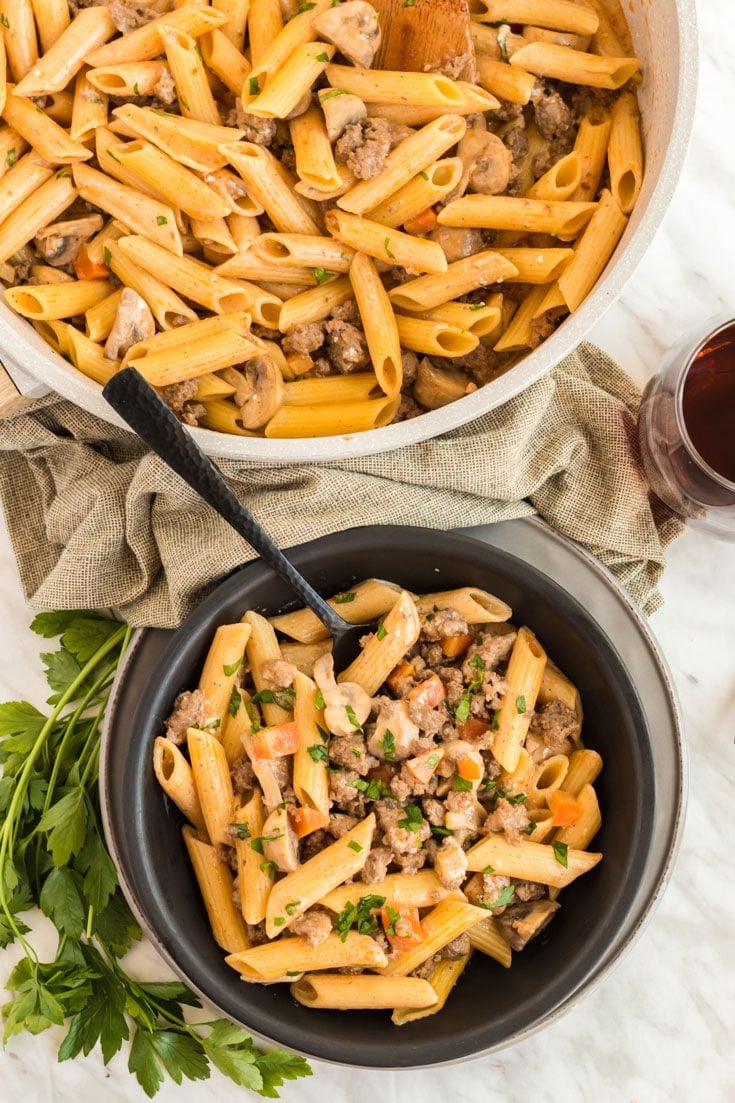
<point x="147" y="414"/>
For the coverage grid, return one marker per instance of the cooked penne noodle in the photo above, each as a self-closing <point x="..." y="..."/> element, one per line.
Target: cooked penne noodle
<point x="519" y="333"/>
<point x="403" y="250"/>
<point x="187" y="69"/>
<point x="422" y="889"/>
<point x="262" y="647"/>
<point x="255" y="875"/>
<point x="545" y="59"/>
<point x="414" y="154"/>
<point x="224" y="59"/>
<point x="385" y="86"/>
<point x="447" y="921"/>
<point x="220" y="671"/>
<point x="556" y="686"/>
<point x="167" y="308"/>
<point x="293" y="894"/>
<point x="87" y="356"/>
<point x="473" y="99"/>
<point x="304" y="655"/>
<point x="144" y="43"/>
<point x="461" y="276"/>
<point x="542" y="825"/>
<point x="474" y="605"/>
<point x="291" y="81"/>
<point x="251" y="266"/>
<point x="548" y="776"/>
<point x="310" y="761"/>
<point x="584" y="766"/>
<point x="214" y="234"/>
<point x="481" y="318"/>
<point x="558" y="15"/>
<point x="196" y="281"/>
<point x="420" y="193"/>
<point x="612" y="37"/>
<point x="502" y="212"/>
<point x="486" y="937"/>
<point x="346" y="993"/>
<point x="131" y="78"/>
<point x="561" y="181"/>
<point x="591" y="143"/>
<point x="237" y="18"/>
<point x="22" y="179"/>
<point x="215" y="884"/>
<point x="530" y="861"/>
<point x="241" y="713"/>
<point x="190" y="142"/>
<point x="379" y="323"/>
<point x="89" y="108"/>
<point x="100" y="318"/>
<point x="593" y="251"/>
<point x="523" y="678"/>
<point x="223" y="416"/>
<point x="12" y="146"/>
<point x="297" y="32"/>
<point x="265" y="22"/>
<point x="173" y="774"/>
<point x="365" y="601"/>
<point x="52" y="19"/>
<point x="211" y="773"/>
<point x="579" y="835"/>
<point x="186" y="351"/>
<point x="536" y="265"/>
<point x="20" y="43"/>
<point x="384" y="650"/>
<point x="315" y="165"/>
<point x="154" y="221"/>
<point x="37" y="210"/>
<point x="442" y="980"/>
<point x="434" y="338"/>
<point x="279" y="961"/>
<point x="332" y="420"/>
<point x="154" y="170"/>
<point x="504" y="81"/>
<point x="624" y="152"/>
<point x="313" y="305"/>
<point x="90" y="28"/>
<point x="272" y="187"/>
<point x="292" y="250"/>
<point x="48" y="139"/>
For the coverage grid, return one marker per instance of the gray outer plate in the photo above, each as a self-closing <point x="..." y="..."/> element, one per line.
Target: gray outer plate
<point x="583" y="576"/>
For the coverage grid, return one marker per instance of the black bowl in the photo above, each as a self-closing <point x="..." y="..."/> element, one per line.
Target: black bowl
<point x="490" y="1005"/>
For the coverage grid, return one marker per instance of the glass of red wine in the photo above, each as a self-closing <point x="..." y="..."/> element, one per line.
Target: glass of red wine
<point x="687" y="428"/>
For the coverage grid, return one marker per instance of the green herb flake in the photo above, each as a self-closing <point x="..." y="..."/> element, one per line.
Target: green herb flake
<point x="495" y="722"/>
<point x="318" y="752"/>
<point x="351" y="716"/>
<point x="292" y="906"/>
<point x="413" y="819"/>
<point x="436" y="830"/>
<point x="424" y="175"/>
<point x="136" y="89"/>
<point x="161" y="220"/>
<point x="235" y="701"/>
<point x="284" y="698"/>
<point x="321" y="275"/>
<point x="345" y="919"/>
<point x="279" y="921"/>
<point x="381" y="632"/>
<point x="409" y="3"/>
<point x="506" y="895"/>
<point x="477" y="306"/>
<point x="228" y="669"/>
<point x="462" y="710"/>
<point x="322" y="57"/>
<point x="5" y="21"/>
<point x="306" y="5"/>
<point x="293" y="973"/>
<point x="253" y="86"/>
<point x="462" y="785"/>
<point x="373" y="790"/>
<point x="319" y="700"/>
<point x="354" y="846"/>
<point x="269" y="869"/>
<point x="323" y="733"/>
<point x="241" y="830"/>
<point x="344" y="598"/>
<point x="332" y="93"/>
<point x="106" y="256"/>
<point x="489" y="870"/>
<point x="257" y="840"/>
<point x="561" y="853"/>
<point x="10" y="157"/>
<point x="393" y="917"/>
<point x="531" y="827"/>
<point x="520" y="704"/>
<point x="386" y="246"/>
<point x="388" y="743"/>
<point x="114" y="158"/>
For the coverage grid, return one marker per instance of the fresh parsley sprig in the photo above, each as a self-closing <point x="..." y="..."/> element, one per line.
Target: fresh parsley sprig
<point x="53" y="856"/>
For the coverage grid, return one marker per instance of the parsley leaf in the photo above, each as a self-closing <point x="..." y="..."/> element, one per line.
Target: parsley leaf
<point x="388" y="743"/>
<point x="462" y="785"/>
<point x="381" y="632"/>
<point x="344" y="598"/>
<point x="321" y="275"/>
<point x="561" y="853"/>
<point x="353" y="718"/>
<point x="504" y="897"/>
<point x="520" y="704"/>
<point x="322" y="56"/>
<point x="228" y="669"/>
<point x="386" y="246"/>
<point x="235" y="701"/>
<point x="319" y="700"/>
<point x="413" y="820"/>
<point x="253" y="86"/>
<point x="318" y="752"/>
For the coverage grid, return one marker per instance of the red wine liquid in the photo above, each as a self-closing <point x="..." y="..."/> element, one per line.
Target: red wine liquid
<point x="708" y="403"/>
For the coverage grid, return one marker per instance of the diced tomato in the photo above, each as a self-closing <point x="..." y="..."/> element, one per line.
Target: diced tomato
<point x="430" y="692"/>
<point x="306" y="820"/>
<point x="422" y="223"/>
<point x="88" y="269"/>
<point x="422" y="767"/>
<point x="472" y="728"/>
<point x="565" y="808"/>
<point x="470" y="766"/>
<point x="277" y="741"/>
<point x="402" y="927"/>
<point x="452" y="646"/>
<point x="403" y="670"/>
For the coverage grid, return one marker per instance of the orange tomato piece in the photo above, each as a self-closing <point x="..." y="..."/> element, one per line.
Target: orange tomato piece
<point x="402" y="926"/>
<point x="422" y="223"/>
<point x="469" y="767"/>
<point x="565" y="808"/>
<point x="422" y="767"/>
<point x="403" y="670"/>
<point x="88" y="269"/>
<point x="277" y="741"/>
<point x="472" y="728"/>
<point x="453" y="646"/>
<point x="430" y="692"/>
<point x="306" y="820"/>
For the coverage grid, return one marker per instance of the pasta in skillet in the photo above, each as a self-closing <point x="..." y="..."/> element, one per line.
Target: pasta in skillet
<point x="165" y="166"/>
<point x="360" y="835"/>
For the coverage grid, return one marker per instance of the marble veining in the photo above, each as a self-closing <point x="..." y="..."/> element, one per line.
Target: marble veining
<point x="659" y="1029"/>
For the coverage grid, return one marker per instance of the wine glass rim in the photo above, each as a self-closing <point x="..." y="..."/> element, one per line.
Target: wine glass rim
<point x="726" y="484"/>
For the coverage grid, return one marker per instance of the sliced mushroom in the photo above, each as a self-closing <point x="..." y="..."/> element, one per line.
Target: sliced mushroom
<point x="42" y="274"/>
<point x="487" y="162"/>
<point x="341" y="109"/>
<point x="303" y="105"/>
<point x="133" y="322"/>
<point x="280" y="844"/>
<point x="60" y="242"/>
<point x="522" y="922"/>
<point x="266" y="771"/>
<point x="458" y="242"/>
<point x="436" y="387"/>
<point x="339" y="698"/>
<point x="259" y="390"/>
<point x="354" y="28"/>
<point x="450" y="863"/>
<point x="395" y="718"/>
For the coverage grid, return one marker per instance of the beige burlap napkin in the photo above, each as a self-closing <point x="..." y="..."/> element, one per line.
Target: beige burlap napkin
<point x="97" y="521"/>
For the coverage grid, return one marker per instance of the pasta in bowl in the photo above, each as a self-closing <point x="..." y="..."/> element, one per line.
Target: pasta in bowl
<point x="386" y="245"/>
<point x="382" y="930"/>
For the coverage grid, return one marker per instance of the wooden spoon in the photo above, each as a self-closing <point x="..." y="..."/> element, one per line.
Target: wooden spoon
<point x="426" y="36"/>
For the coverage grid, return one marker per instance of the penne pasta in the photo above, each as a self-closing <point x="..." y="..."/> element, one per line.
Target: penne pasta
<point x="211" y="774"/>
<point x="523" y="678"/>
<point x="60" y="300"/>
<point x="624" y="153"/>
<point x="279" y="961"/>
<point x="593" y="251"/>
<point x="39" y="209"/>
<point x="442" y="980"/>
<point x="379" y="323"/>
<point x="495" y="212"/>
<point x="546" y="59"/>
<point x="173" y="774"/>
<point x="531" y="861"/>
<point x="254" y="873"/>
<point x="89" y="28"/>
<point x="418" y="194"/>
<point x="346" y="993"/>
<point x="215" y="884"/>
<point x="422" y="889"/>
<point x="310" y="761"/>
<point x="558" y="15"/>
<point x="447" y="921"/>
<point x="332" y="419"/>
<point x="462" y="276"/>
<point x="400" y="249"/>
<point x="382" y="652"/>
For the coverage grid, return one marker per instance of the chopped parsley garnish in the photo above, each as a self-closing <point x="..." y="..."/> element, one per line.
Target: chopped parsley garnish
<point x="318" y="752"/>
<point x="161" y="220"/>
<point x="503" y="45"/>
<point x="424" y="175"/>
<point x="253" y="86"/>
<point x="386" y="245"/>
<point x="462" y="785"/>
<point x="388" y="743"/>
<point x="462" y="710"/>
<point x="373" y="790"/>
<point x="111" y="154"/>
<point x="437" y="830"/>
<point x="344" y="598"/>
<point x="269" y="868"/>
<point x="136" y="89"/>
<point x="489" y="785"/>
<point x="561" y="853"/>
<point x="413" y="820"/>
<point x="515" y="798"/>
<point x="253" y="717"/>
<point x="531" y="827"/>
<point x="382" y="632"/>
<point x="345" y="919"/>
<point x="354" y="846"/>
<point x="306" y="5"/>
<point x="107" y="256"/>
<point x="506" y="895"/>
<point x="488" y="870"/>
<point x="333" y="92"/>
<point x="322" y="56"/>
<point x="257" y="840"/>
<point x="495" y="722"/>
<point x="293" y="972"/>
<point x="10" y="157"/>
<point x="318" y="700"/>
<point x="284" y="698"/>
<point x="324" y="734"/>
<point x="477" y="306"/>
<point x="353" y="718"/>
<point x="4" y="20"/>
<point x="393" y="917"/>
<point x="278" y="921"/>
<point x="235" y="701"/>
<point x="321" y="275"/>
<point x="409" y="3"/>
<point x="292" y="906"/>
<point x="229" y="669"/>
<point x="241" y="830"/>
<point x="360" y="912"/>
<point x="520" y="704"/>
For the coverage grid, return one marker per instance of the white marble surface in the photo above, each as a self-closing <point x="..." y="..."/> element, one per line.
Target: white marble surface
<point x="659" y="1029"/>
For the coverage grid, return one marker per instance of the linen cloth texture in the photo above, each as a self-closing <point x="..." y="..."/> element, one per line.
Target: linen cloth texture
<point x="98" y="521"/>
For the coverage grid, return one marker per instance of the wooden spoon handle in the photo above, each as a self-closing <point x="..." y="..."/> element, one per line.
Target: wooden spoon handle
<point x="427" y="36"/>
